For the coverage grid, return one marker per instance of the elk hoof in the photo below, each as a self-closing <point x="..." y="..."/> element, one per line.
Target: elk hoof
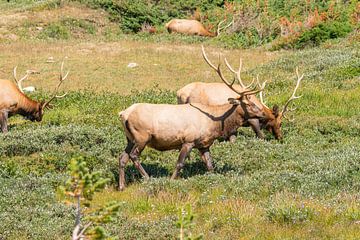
<point x="232" y="139"/>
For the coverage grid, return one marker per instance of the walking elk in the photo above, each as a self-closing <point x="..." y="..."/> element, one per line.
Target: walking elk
<point x="193" y="27"/>
<point x="184" y="127"/>
<point x="219" y="93"/>
<point x="13" y="100"/>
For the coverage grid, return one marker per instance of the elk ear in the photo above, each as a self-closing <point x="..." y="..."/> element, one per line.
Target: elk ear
<point x="234" y="101"/>
<point x="238" y="101"/>
<point x="276" y="110"/>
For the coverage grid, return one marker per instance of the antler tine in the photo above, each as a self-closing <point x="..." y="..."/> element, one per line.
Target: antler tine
<point x="221" y="22"/>
<point x="15" y="78"/>
<point x="206" y="58"/>
<point x="61" y="80"/>
<point x="18" y="82"/>
<point x="218" y="70"/>
<point x="252" y="91"/>
<point x="293" y="97"/>
<point x="261" y="93"/>
<point x="61" y="96"/>
<point x="237" y="73"/>
<point x="230" y="85"/>
<point x="248" y="86"/>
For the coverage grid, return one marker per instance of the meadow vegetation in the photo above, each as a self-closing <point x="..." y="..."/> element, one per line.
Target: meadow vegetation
<point x="305" y="186"/>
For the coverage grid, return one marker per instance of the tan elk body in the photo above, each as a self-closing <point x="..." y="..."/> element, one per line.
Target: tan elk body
<point x="13" y="101"/>
<point x="192" y="27"/>
<point x="165" y="127"/>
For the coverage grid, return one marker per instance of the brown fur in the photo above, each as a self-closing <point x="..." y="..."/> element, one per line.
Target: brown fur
<point x="187" y="26"/>
<point x="13" y="102"/>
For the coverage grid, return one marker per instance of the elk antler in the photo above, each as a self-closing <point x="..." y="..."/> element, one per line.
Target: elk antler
<point x="61" y="80"/>
<point x="293" y="97"/>
<point x="238" y="73"/>
<point x="18" y="82"/>
<point x="219" y="24"/>
<point x="230" y="85"/>
<point x="261" y="93"/>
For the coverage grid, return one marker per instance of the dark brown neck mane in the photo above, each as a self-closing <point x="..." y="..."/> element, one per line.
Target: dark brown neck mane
<point x="26" y="106"/>
<point x="227" y="118"/>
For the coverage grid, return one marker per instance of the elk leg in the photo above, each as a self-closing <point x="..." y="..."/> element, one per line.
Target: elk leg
<point x="255" y="125"/>
<point x="3" y="121"/>
<point x="184" y="153"/>
<point x="205" y="156"/>
<point x="134" y="156"/>
<point x="123" y="159"/>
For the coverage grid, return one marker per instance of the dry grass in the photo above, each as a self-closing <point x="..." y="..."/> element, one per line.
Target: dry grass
<point x="237" y="218"/>
<point x="102" y="66"/>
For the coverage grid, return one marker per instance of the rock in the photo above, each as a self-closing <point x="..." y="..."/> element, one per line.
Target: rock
<point x="132" y="65"/>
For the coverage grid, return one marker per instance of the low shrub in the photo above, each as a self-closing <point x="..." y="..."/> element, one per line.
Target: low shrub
<point x="55" y="31"/>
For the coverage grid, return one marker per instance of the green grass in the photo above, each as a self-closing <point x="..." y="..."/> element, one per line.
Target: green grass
<point x="303" y="187"/>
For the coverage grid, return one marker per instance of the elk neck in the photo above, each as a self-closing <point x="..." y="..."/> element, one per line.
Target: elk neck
<point x="225" y="118"/>
<point x="26" y="106"/>
<point x="209" y="34"/>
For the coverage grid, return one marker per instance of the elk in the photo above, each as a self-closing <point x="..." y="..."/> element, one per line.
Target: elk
<point x="13" y="100"/>
<point x="219" y="93"/>
<point x="193" y="27"/>
<point x="184" y="127"/>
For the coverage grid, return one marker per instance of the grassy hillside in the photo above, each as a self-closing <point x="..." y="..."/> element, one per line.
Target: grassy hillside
<point x="303" y="187"/>
<point x="276" y="24"/>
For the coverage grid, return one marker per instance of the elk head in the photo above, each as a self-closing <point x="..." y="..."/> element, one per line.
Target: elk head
<point x="273" y="120"/>
<point x="36" y="112"/>
<point x="268" y="118"/>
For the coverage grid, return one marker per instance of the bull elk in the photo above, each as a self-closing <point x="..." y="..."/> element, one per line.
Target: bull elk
<point x="184" y="127"/>
<point x="13" y="100"/>
<point x="193" y="27"/>
<point x="219" y="93"/>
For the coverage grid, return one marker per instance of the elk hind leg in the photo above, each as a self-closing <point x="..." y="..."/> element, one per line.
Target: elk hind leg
<point x="184" y="153"/>
<point x="134" y="156"/>
<point x="123" y="160"/>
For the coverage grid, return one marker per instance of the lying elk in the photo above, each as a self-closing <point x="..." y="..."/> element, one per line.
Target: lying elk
<point x="219" y="93"/>
<point x="13" y="100"/>
<point x="193" y="27"/>
<point x="184" y="127"/>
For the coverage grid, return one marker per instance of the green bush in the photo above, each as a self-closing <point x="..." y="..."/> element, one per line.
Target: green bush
<point x="290" y="214"/>
<point x="321" y="33"/>
<point x="55" y="31"/>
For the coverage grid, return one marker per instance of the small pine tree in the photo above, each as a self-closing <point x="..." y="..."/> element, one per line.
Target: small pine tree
<point x="79" y="190"/>
<point x="185" y="223"/>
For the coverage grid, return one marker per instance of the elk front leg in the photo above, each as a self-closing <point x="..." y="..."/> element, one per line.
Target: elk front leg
<point x="3" y="121"/>
<point x="255" y="125"/>
<point x="184" y="153"/>
<point x="232" y="137"/>
<point x="134" y="156"/>
<point x="205" y="156"/>
<point x="123" y="159"/>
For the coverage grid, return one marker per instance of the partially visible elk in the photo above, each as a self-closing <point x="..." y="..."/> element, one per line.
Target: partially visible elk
<point x="219" y="93"/>
<point x="184" y="127"/>
<point x="13" y="100"/>
<point x="193" y="27"/>
<point x="147" y="27"/>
